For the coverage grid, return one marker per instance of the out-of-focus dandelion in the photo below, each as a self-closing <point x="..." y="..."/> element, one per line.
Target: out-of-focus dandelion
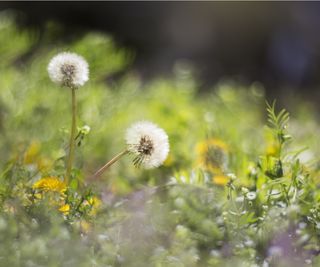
<point x="213" y="158"/>
<point x="72" y="71"/>
<point x="212" y="154"/>
<point x="32" y="157"/>
<point x="148" y="143"/>
<point x="220" y="179"/>
<point x="53" y="184"/>
<point x="32" y="153"/>
<point x="94" y="203"/>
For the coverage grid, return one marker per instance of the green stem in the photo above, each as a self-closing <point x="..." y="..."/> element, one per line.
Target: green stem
<point x="285" y="193"/>
<point x="72" y="136"/>
<point x="109" y="163"/>
<point x="269" y="196"/>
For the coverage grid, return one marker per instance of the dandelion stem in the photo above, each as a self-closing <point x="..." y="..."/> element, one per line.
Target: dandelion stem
<point x="109" y="163"/>
<point x="72" y="136"/>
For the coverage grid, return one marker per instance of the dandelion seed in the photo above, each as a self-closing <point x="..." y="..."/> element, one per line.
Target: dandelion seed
<point x="68" y="69"/>
<point x="148" y="143"/>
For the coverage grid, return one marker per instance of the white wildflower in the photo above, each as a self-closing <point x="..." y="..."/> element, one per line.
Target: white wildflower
<point x="148" y="143"/>
<point x="68" y="69"/>
<point x="251" y="195"/>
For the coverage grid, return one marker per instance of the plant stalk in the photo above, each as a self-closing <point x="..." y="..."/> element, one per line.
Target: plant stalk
<point x="72" y="136"/>
<point x="109" y="163"/>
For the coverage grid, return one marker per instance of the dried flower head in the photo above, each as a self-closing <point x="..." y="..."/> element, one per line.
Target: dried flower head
<point x="148" y="143"/>
<point x="68" y="69"/>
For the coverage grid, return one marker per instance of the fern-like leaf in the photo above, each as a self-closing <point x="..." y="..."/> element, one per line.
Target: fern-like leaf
<point x="278" y="121"/>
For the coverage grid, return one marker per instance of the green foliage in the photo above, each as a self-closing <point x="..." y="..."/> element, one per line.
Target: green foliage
<point x="231" y="193"/>
<point x="278" y="123"/>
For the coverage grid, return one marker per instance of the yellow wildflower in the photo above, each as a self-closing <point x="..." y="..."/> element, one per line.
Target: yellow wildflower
<point x="32" y="153"/>
<point x="220" y="179"/>
<point x="212" y="155"/>
<point x="33" y="156"/>
<point x="53" y="184"/>
<point x="94" y="201"/>
<point x="65" y="209"/>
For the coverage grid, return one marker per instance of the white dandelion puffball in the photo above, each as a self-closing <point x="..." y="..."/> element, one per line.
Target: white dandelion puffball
<point x="68" y="69"/>
<point x="148" y="143"/>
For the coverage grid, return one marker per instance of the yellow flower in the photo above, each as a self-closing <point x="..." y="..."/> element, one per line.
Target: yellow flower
<point x="53" y="184"/>
<point x="65" y="209"/>
<point x="85" y="227"/>
<point x="33" y="156"/>
<point x="212" y="155"/>
<point x="220" y="179"/>
<point x="32" y="153"/>
<point x="94" y="201"/>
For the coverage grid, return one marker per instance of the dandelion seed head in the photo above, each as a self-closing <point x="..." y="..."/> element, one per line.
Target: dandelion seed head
<point x="148" y="143"/>
<point x="68" y="69"/>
